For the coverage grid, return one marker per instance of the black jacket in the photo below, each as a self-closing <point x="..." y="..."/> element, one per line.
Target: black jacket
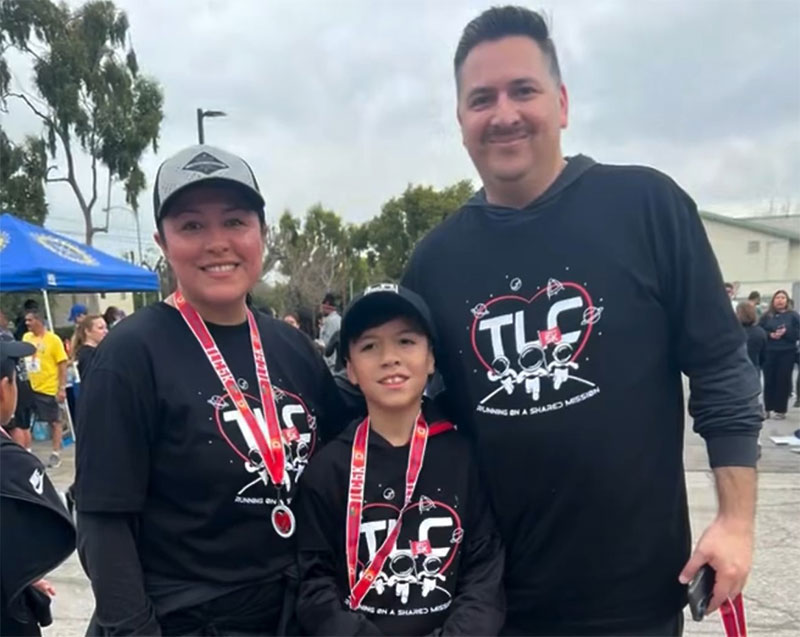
<point x="36" y="535"/>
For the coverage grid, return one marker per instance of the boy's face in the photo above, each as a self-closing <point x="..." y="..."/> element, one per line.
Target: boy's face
<point x="8" y="399"/>
<point x="391" y="364"/>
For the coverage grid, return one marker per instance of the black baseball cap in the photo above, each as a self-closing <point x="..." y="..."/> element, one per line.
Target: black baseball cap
<point x="13" y="349"/>
<point x="207" y="165"/>
<point x="388" y="299"/>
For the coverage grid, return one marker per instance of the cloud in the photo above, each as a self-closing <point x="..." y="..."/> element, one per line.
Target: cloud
<point x="347" y="102"/>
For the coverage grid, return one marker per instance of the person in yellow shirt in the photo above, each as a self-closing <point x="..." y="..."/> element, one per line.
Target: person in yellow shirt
<point x="47" y="372"/>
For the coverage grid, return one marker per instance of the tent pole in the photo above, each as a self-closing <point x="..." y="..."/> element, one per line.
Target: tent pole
<point x="47" y="309"/>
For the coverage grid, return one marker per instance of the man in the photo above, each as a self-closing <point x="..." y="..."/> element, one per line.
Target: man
<point x="329" y="328"/>
<point x="754" y="298"/>
<point x="77" y="312"/>
<point x="36" y="534"/>
<point x="30" y="305"/>
<point x="569" y="296"/>
<point x="47" y="373"/>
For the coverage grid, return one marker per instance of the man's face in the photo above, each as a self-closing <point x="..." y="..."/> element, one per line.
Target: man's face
<point x="33" y="323"/>
<point x="511" y="110"/>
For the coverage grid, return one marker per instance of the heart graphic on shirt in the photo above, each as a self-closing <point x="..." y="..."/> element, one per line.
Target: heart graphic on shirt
<point x="298" y="429"/>
<point x="429" y="524"/>
<point x="511" y="331"/>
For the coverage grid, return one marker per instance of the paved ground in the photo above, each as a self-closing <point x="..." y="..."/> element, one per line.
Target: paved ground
<point x="771" y="595"/>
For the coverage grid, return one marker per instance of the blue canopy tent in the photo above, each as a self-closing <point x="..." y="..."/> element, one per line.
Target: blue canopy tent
<point x="34" y="258"/>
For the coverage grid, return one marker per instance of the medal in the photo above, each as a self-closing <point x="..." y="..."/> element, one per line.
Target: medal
<point x="359" y="587"/>
<point x="269" y="442"/>
<point x="283" y="520"/>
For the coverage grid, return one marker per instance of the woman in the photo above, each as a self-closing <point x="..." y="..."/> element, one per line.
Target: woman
<point x="783" y="331"/>
<point x="90" y="331"/>
<point x="198" y="418"/>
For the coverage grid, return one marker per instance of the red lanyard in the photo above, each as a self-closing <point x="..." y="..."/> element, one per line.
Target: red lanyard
<point x="355" y="504"/>
<point x="732" y="615"/>
<point x="270" y="446"/>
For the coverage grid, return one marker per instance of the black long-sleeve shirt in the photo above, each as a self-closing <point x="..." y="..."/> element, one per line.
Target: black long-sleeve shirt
<point x="445" y="573"/>
<point x="564" y="328"/>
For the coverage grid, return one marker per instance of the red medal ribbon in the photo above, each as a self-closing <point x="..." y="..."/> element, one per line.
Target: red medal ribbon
<point x="355" y="504"/>
<point x="270" y="447"/>
<point x="731" y="613"/>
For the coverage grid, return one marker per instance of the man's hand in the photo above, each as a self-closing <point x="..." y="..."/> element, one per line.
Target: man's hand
<point x="727" y="545"/>
<point x="61" y="395"/>
<point x="45" y="587"/>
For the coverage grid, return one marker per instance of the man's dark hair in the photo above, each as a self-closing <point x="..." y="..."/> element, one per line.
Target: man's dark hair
<point x="30" y="304"/>
<point x="501" y="22"/>
<point x="330" y="299"/>
<point x="754" y="296"/>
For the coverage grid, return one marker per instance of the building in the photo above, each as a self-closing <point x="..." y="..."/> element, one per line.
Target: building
<point x="757" y="253"/>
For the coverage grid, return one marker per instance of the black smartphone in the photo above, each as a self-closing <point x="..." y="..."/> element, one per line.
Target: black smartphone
<point x="700" y="591"/>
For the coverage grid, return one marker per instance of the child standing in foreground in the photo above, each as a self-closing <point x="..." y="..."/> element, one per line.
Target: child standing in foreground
<point x="395" y="531"/>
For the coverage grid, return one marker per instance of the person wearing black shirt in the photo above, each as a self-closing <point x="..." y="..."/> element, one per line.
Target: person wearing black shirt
<point x="197" y="420"/>
<point x="89" y="332"/>
<point x="569" y="296"/>
<point x="400" y="494"/>
<point x="36" y="534"/>
<point x="782" y="325"/>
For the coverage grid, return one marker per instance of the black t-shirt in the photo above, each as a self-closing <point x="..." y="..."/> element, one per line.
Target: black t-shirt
<point x="161" y="439"/>
<point x="84" y="358"/>
<point x="446" y="569"/>
<point x="564" y="327"/>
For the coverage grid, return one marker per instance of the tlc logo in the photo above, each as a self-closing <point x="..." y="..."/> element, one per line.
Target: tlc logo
<point x="498" y="325"/>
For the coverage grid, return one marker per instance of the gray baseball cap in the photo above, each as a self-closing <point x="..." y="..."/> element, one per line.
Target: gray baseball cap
<point x="207" y="165"/>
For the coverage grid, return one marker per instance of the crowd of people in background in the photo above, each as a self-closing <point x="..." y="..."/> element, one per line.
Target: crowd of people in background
<point x="773" y="345"/>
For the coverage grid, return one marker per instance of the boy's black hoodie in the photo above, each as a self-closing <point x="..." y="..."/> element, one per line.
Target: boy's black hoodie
<point x="445" y="573"/>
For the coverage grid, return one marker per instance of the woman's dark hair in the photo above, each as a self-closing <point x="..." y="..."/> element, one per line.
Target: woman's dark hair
<point x="111" y="314"/>
<point x="772" y="310"/>
<point x="305" y="318"/>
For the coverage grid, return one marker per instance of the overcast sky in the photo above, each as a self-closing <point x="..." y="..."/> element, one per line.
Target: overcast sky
<point x="346" y="102"/>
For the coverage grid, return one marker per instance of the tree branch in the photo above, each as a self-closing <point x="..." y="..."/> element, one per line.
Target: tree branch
<point x="37" y="112"/>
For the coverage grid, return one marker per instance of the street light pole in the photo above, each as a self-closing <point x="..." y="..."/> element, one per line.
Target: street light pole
<point x="201" y="138"/>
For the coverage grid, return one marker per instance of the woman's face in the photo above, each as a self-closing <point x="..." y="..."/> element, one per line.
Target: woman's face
<point x="97" y="331"/>
<point x="214" y="243"/>
<point x="780" y="301"/>
<point x="291" y="320"/>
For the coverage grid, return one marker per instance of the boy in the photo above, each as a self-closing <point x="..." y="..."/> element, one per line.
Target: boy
<point x="36" y="534"/>
<point x="395" y="533"/>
